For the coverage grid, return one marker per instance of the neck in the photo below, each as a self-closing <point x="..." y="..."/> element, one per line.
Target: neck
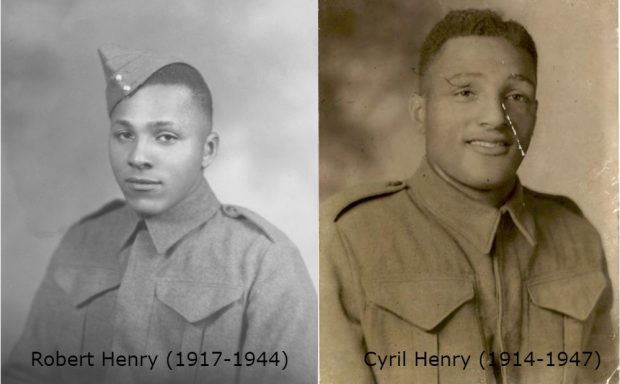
<point x="492" y="197"/>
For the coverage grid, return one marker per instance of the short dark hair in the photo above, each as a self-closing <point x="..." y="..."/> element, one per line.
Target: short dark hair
<point x="186" y="75"/>
<point x="474" y="22"/>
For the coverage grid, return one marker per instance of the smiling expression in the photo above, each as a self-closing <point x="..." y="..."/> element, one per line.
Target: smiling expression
<point x="156" y="147"/>
<point x="474" y="89"/>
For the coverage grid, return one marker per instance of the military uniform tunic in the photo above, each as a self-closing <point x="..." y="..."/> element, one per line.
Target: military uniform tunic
<point x="200" y="278"/>
<point x="420" y="267"/>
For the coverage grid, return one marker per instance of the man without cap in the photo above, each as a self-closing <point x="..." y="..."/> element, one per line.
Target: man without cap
<point x="460" y="274"/>
<point x="169" y="285"/>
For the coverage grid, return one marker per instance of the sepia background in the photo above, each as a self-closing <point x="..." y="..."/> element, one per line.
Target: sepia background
<point x="368" y="52"/>
<point x="260" y="60"/>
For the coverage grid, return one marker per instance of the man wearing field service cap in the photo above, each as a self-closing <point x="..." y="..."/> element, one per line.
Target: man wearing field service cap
<point x="169" y="285"/>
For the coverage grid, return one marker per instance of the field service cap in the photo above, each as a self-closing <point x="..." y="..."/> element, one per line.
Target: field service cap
<point x="127" y="69"/>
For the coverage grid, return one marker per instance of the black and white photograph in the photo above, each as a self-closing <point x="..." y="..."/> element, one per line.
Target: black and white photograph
<point x="468" y="185"/>
<point x="160" y="191"/>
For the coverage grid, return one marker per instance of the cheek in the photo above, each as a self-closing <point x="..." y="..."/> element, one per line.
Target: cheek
<point x="524" y="125"/>
<point x="444" y="110"/>
<point x="183" y="162"/>
<point x="116" y="154"/>
<point x="444" y="126"/>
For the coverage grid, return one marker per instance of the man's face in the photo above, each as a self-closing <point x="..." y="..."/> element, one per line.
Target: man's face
<point x="474" y="89"/>
<point x="156" y="147"/>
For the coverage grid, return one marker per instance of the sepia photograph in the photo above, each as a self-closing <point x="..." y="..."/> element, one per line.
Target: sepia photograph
<point x="468" y="185"/>
<point x="160" y="192"/>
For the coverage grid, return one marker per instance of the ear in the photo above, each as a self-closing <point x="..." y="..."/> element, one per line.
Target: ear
<point x="212" y="143"/>
<point x="417" y="110"/>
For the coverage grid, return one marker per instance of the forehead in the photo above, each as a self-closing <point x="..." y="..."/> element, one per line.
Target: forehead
<point x="485" y="55"/>
<point x="157" y="102"/>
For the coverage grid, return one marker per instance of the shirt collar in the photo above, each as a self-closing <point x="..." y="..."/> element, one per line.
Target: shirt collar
<point x="461" y="214"/>
<point x="124" y="222"/>
<point x="170" y="226"/>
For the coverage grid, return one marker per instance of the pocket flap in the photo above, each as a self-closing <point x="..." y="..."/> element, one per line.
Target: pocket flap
<point x="85" y="282"/>
<point x="196" y="300"/>
<point x="574" y="295"/>
<point x="424" y="303"/>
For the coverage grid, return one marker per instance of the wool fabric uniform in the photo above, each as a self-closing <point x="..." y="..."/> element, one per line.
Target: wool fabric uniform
<point x="202" y="277"/>
<point x="419" y="267"/>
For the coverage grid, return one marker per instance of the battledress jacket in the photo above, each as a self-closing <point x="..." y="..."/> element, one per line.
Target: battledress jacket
<point x="415" y="277"/>
<point x="223" y="283"/>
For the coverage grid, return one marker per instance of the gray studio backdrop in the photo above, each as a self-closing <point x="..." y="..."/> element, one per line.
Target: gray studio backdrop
<point x="368" y="53"/>
<point x="260" y="60"/>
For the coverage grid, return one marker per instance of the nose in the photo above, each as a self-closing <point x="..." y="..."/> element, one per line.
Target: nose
<point x="138" y="156"/>
<point x="492" y="115"/>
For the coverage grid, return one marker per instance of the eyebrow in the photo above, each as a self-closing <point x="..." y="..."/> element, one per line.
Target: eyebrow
<point x="461" y="75"/>
<point x="153" y="124"/>
<point x="520" y="77"/>
<point x="124" y="123"/>
<point x="161" y="124"/>
<point x="512" y="76"/>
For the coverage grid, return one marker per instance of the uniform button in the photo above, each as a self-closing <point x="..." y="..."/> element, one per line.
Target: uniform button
<point x="126" y="88"/>
<point x="231" y="211"/>
<point x="118" y="77"/>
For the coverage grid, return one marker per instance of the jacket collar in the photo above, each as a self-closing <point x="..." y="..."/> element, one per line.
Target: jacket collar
<point x="461" y="214"/>
<point x="169" y="227"/>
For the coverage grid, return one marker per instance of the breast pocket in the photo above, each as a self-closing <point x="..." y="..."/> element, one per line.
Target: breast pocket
<point x="191" y="311"/>
<point x="197" y="301"/>
<point x="560" y="318"/>
<point x="420" y="318"/>
<point x="194" y="322"/>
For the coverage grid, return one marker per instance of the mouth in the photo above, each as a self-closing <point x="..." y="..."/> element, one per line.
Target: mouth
<point x="489" y="147"/>
<point x="142" y="183"/>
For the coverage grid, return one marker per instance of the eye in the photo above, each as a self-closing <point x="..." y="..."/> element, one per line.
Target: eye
<point x="167" y="138"/>
<point x="518" y="97"/>
<point x="464" y="94"/>
<point x="123" y="135"/>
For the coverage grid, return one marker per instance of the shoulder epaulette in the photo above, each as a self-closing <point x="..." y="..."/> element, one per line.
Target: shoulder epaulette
<point x="255" y="220"/>
<point x="558" y="199"/>
<point x="108" y="207"/>
<point x="337" y="205"/>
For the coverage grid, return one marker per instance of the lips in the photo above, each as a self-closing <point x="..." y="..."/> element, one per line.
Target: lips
<point x="142" y="183"/>
<point x="491" y="146"/>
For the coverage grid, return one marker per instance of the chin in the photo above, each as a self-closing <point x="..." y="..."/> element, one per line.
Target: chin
<point x="146" y="208"/>
<point x="489" y="182"/>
